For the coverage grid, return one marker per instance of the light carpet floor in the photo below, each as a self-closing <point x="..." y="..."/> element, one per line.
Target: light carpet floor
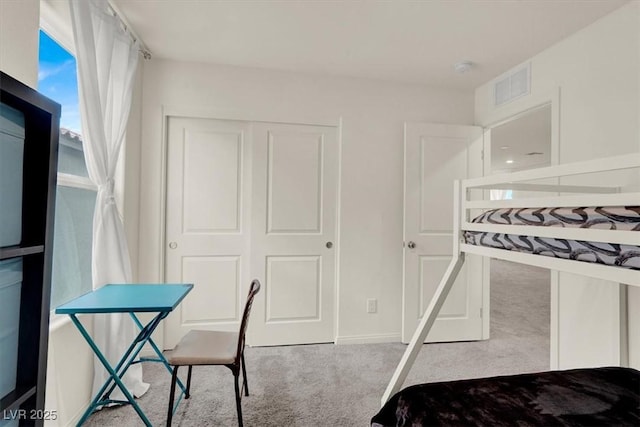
<point x="329" y="385"/>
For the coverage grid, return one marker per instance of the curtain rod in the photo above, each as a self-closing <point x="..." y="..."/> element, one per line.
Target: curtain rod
<point x="146" y="53"/>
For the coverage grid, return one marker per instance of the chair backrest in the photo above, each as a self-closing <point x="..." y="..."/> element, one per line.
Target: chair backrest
<point x="253" y="290"/>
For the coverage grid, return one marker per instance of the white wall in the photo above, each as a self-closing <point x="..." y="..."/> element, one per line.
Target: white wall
<point x="69" y="372"/>
<point x="19" y="23"/>
<point x="372" y="115"/>
<point x="598" y="73"/>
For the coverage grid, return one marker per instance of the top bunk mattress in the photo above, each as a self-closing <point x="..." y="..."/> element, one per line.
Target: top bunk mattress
<point x="608" y="218"/>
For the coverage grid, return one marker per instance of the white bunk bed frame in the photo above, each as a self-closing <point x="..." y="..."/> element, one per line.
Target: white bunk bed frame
<point x="592" y="196"/>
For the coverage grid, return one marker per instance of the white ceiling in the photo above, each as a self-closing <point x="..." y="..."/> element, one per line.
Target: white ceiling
<point x="404" y="41"/>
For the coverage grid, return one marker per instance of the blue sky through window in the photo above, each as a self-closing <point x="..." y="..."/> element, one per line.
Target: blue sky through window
<point x="57" y="80"/>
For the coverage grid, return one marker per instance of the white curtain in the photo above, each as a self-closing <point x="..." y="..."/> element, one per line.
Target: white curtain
<point x="107" y="58"/>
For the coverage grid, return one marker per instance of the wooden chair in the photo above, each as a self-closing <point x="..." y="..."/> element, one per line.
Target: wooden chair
<point x="213" y="348"/>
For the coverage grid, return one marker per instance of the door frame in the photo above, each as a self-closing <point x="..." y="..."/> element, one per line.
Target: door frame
<point x="243" y="115"/>
<point x="499" y="116"/>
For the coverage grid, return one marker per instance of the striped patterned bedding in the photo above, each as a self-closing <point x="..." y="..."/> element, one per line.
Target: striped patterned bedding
<point x="608" y="218"/>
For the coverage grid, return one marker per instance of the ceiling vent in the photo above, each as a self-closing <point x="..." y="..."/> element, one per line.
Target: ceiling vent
<point x="512" y="85"/>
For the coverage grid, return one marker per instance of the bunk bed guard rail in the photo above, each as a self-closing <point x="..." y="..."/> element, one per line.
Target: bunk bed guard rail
<point x="556" y="195"/>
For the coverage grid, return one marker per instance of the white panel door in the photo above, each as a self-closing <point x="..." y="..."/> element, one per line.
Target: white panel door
<point x="207" y="223"/>
<point x="436" y="155"/>
<point x="293" y="233"/>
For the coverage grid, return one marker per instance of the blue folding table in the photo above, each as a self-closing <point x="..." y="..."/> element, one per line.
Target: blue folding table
<point x="126" y="298"/>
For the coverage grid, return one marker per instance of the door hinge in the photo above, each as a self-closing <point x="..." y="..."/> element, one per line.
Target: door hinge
<point x="481" y="312"/>
<point x="481" y="154"/>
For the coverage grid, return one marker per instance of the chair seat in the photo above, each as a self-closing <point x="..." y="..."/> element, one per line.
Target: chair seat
<point x="204" y="348"/>
<point x="212" y="348"/>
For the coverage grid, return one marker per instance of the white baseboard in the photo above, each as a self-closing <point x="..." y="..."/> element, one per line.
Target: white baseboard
<point x="368" y="339"/>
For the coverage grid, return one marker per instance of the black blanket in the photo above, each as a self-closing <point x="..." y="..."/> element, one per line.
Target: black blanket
<point x="578" y="397"/>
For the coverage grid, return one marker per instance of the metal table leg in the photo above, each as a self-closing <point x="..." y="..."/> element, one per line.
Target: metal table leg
<point x="113" y="377"/>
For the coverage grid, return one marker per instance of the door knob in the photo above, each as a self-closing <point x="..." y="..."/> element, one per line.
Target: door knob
<point x="411" y="245"/>
<point x="329" y="245"/>
<point x="173" y="245"/>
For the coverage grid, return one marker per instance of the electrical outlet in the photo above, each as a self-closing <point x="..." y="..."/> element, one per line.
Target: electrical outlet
<point x="372" y="305"/>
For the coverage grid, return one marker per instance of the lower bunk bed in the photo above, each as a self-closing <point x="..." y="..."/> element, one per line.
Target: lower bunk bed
<point x="592" y="231"/>
<point x="607" y="396"/>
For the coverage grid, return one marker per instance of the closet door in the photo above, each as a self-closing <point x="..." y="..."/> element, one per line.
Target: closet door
<point x="207" y="223"/>
<point x="252" y="200"/>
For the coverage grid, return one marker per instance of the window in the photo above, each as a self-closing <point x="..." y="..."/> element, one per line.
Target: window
<point x="500" y="194"/>
<point x="76" y="195"/>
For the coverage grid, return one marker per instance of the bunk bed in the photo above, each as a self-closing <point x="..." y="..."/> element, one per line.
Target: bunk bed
<point x="591" y="230"/>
